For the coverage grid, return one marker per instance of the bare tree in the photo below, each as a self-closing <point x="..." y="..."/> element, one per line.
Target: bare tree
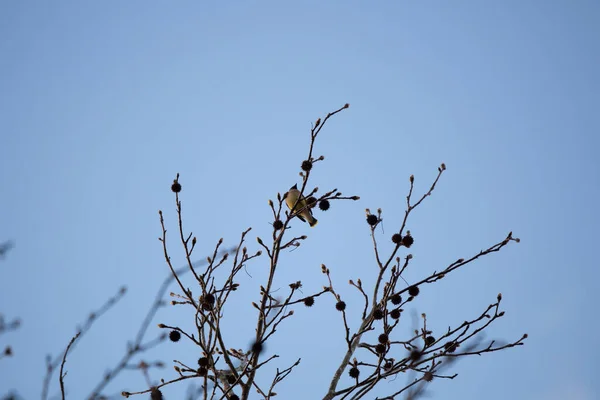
<point x="132" y="359"/>
<point x="374" y="348"/>
<point x="373" y="351"/>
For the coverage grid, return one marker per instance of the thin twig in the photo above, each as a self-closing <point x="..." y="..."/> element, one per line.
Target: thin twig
<point x="51" y="365"/>
<point x="62" y="365"/>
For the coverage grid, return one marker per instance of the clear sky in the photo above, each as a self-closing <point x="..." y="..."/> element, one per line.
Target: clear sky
<point x="102" y="103"/>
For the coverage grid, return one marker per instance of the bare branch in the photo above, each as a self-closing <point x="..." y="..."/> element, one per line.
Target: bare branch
<point x="62" y="365"/>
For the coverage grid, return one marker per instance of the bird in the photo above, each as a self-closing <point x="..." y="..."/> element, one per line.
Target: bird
<point x="301" y="210"/>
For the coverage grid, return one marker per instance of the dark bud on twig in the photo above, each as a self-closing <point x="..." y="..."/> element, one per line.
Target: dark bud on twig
<point x="428" y="376"/>
<point x="203" y="361"/>
<point x="372" y="219"/>
<point x="396" y="238"/>
<point x="407" y="240"/>
<point x="413" y="291"/>
<point x="451" y="347"/>
<point x="174" y="336"/>
<point x="296" y="285"/>
<point x="176" y="186"/>
<point x="346" y="105"/>
<point x="309" y="301"/>
<point x="340" y="306"/>
<point x="324" y="205"/>
<point x="277" y="225"/>
<point x="209" y="298"/>
<point x="380" y="349"/>
<point x="412" y="179"/>
<point x="156" y="394"/>
<point x="429" y="340"/>
<point x="378" y="313"/>
<point x="415" y="355"/>
<point x="388" y="365"/>
<point x="396" y="299"/>
<point x="207" y="301"/>
<point x="202" y="371"/>
<point x="257" y="347"/>
<point x="306" y="165"/>
<point x="395" y="313"/>
<point x="354" y="372"/>
<point x="383" y="338"/>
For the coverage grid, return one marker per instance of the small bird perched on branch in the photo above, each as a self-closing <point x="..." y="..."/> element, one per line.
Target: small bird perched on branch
<point x="301" y="210"/>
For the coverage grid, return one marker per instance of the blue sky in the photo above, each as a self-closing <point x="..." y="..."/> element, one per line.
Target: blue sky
<point x="103" y="103"/>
